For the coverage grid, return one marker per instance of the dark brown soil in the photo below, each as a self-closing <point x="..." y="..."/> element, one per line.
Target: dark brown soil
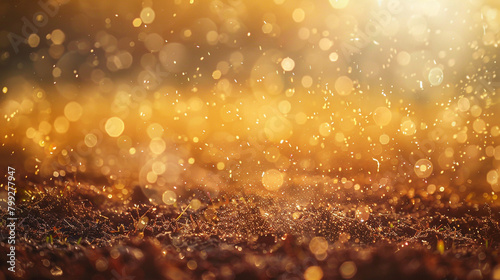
<point x="81" y="234"/>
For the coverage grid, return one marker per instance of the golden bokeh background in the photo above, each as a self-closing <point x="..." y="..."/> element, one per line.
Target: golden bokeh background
<point x="255" y="96"/>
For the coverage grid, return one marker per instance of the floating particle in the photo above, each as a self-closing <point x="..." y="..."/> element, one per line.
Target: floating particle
<point x="216" y="74"/>
<point x="73" y="111"/>
<point x="344" y="85"/>
<point x="339" y="137"/>
<point x="33" y="40"/>
<point x="492" y="177"/>
<point x="147" y="15"/>
<point x="155" y="130"/>
<point x="382" y="116"/>
<point x="101" y="264"/>
<point x="272" y="179"/>
<point x="454" y="199"/>
<point x="436" y="76"/>
<point x="151" y="177"/>
<point x="313" y="273"/>
<point x="307" y="81"/>
<point x="267" y="28"/>
<point x="212" y="37"/>
<point x="463" y="104"/>
<point x="40" y="94"/>
<point x="56" y="72"/>
<point x="221" y="166"/>
<point x="137" y="22"/>
<point x="187" y="33"/>
<point x="192" y="264"/>
<point x="157" y="145"/>
<point x="408" y="127"/>
<point x="318" y="245"/>
<point x="476" y="111"/>
<point x="154" y="42"/>
<point x="114" y="126"/>
<point x="284" y="106"/>
<point x="304" y="33"/>
<point x="403" y="58"/>
<point x="348" y="269"/>
<point x="449" y="152"/>
<point x="169" y="197"/>
<point x="90" y="140"/>
<point x="57" y="36"/>
<point x="298" y="15"/>
<point x="30" y="132"/>
<point x="61" y="124"/>
<point x="325" y="44"/>
<point x="384" y="139"/>
<point x="333" y="56"/>
<point x="423" y="168"/>
<point x="495" y="131"/>
<point x="173" y="57"/>
<point x="431" y="189"/>
<point x="40" y="18"/>
<point x="362" y="213"/>
<point x="195" y="204"/>
<point x="324" y="129"/>
<point x="287" y="64"/>
<point x="479" y="125"/>
<point x="158" y="167"/>
<point x="44" y="127"/>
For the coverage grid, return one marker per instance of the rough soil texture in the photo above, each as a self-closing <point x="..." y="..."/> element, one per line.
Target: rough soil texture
<point x="81" y="234"/>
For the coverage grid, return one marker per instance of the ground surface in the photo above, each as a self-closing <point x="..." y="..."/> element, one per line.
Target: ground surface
<point x="78" y="233"/>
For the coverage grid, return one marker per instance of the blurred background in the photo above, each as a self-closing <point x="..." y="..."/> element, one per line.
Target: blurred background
<point x="253" y="96"/>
